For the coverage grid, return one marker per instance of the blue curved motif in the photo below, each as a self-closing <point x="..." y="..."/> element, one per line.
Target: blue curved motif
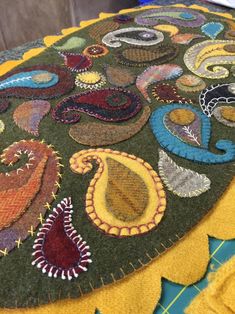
<point x="178" y="146"/>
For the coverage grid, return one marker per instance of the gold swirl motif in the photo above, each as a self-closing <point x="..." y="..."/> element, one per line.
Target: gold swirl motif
<point x="200" y="57"/>
<point x="116" y="206"/>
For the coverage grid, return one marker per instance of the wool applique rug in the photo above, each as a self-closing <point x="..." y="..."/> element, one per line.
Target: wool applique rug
<point x="116" y="142"/>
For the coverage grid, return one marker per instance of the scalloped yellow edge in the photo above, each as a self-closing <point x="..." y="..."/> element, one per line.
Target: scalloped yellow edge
<point x="185" y="263"/>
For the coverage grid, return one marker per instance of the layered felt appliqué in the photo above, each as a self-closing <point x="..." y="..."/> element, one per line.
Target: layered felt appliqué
<point x="59" y="250"/>
<point x="116" y="141"/>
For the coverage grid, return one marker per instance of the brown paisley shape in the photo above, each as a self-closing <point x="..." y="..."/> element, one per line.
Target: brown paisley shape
<point x="119" y="77"/>
<point x="86" y="133"/>
<point x="97" y="31"/>
<point x="139" y="56"/>
<point x="25" y="193"/>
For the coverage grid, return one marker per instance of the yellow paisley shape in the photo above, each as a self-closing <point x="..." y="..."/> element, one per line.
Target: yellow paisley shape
<point x="212" y="51"/>
<point x="116" y="206"/>
<point x="200" y="57"/>
<point x="171" y="29"/>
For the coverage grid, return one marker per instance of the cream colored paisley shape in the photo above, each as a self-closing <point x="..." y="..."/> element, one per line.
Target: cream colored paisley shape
<point x="206" y="58"/>
<point x="181" y="181"/>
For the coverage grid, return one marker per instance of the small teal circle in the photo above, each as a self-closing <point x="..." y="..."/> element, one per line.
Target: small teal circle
<point x="187" y="16"/>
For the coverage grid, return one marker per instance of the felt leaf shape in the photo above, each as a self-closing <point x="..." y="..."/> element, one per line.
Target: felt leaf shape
<point x="86" y="133"/>
<point x="205" y="59"/>
<point x="177" y="16"/>
<point x="185" y="131"/>
<point x="119" y="77"/>
<point x="154" y="74"/>
<point x="97" y="31"/>
<point x="111" y="104"/>
<point x="125" y="207"/>
<point x="72" y="43"/>
<point x="213" y="95"/>
<point x="139" y="36"/>
<point x="26" y="190"/>
<point x="29" y="114"/>
<point x="185" y="39"/>
<point x="140" y="56"/>
<point x="38" y="81"/>
<point x="76" y="62"/>
<point x="190" y="83"/>
<point x="181" y="181"/>
<point x="212" y="29"/>
<point x="167" y="93"/>
<point x="4" y="105"/>
<point x="59" y="250"/>
<point x="225" y="115"/>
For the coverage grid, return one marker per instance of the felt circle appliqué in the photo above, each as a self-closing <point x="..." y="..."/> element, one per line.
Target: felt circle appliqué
<point x="155" y="149"/>
<point x="126" y="196"/>
<point x="95" y="51"/>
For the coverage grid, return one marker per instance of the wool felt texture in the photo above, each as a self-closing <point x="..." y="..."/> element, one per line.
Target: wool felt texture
<point x="219" y="296"/>
<point x="181" y="265"/>
<point x="164" y="235"/>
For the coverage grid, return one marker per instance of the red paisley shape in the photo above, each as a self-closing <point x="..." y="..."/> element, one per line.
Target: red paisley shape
<point x="108" y="104"/>
<point x="58" y="250"/>
<point x="76" y="62"/>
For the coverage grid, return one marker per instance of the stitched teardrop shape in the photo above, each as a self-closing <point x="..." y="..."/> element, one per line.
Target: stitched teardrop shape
<point x="181" y="181"/>
<point x="76" y="62"/>
<point x="72" y="43"/>
<point x="122" y="192"/>
<point x="119" y="77"/>
<point x="29" y="114"/>
<point x="58" y="250"/>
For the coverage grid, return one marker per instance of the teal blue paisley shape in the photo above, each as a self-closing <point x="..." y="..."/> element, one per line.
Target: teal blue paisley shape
<point x="176" y="141"/>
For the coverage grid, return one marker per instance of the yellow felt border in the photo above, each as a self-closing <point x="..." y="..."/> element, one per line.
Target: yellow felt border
<point x="140" y="292"/>
<point x="219" y="296"/>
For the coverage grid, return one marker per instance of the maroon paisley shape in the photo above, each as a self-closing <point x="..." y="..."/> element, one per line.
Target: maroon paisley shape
<point x="109" y="104"/>
<point x="76" y="62"/>
<point x="64" y="85"/>
<point x="59" y="250"/>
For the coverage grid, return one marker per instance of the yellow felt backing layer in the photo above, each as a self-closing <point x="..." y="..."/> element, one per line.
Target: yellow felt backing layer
<point x="185" y="263"/>
<point x="219" y="296"/>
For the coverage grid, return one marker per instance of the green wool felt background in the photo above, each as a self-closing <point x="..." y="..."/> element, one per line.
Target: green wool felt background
<point x="23" y="285"/>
